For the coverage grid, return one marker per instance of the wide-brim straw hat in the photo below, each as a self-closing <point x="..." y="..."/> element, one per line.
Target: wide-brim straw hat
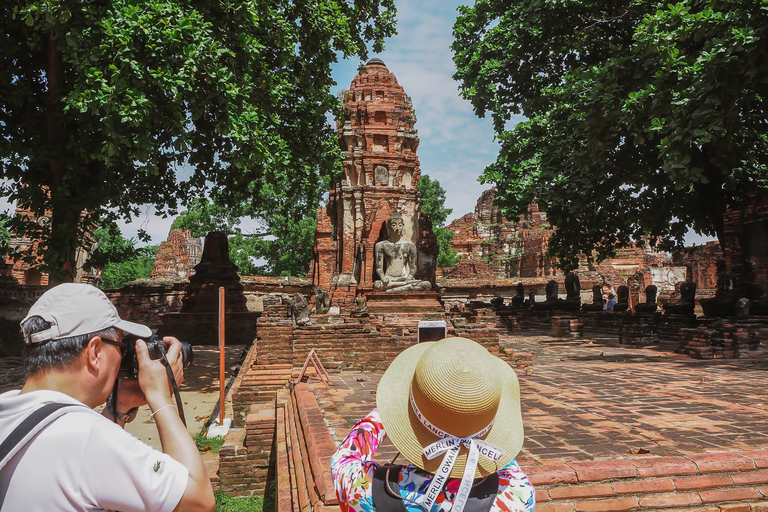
<point x="460" y="388"/>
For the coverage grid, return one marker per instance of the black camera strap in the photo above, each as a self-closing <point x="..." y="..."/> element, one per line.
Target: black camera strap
<point x="176" y="393"/>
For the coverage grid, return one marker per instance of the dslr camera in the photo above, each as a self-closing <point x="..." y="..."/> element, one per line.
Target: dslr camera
<point x="129" y="366"/>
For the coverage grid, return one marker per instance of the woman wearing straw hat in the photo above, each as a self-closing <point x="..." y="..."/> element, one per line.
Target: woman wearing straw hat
<point x="453" y="411"/>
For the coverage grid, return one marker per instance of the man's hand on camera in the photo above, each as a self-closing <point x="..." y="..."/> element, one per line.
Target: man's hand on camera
<point x="153" y="379"/>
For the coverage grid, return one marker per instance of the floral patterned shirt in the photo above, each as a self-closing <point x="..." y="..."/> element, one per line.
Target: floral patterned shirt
<point x="352" y="467"/>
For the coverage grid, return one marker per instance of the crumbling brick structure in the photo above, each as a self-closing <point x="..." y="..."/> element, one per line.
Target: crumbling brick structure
<point x="745" y="243"/>
<point x="503" y="252"/>
<point x="381" y="172"/>
<point x="30" y="273"/>
<point x="177" y="256"/>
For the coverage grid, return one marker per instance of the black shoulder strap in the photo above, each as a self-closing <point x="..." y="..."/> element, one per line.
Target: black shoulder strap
<point x="481" y="498"/>
<point x="382" y="500"/>
<point x="26" y="426"/>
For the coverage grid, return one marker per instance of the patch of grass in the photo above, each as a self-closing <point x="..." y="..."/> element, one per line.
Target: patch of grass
<point x="208" y="444"/>
<point x="226" y="503"/>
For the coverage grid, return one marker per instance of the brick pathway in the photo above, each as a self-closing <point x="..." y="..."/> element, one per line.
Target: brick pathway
<point x="593" y="399"/>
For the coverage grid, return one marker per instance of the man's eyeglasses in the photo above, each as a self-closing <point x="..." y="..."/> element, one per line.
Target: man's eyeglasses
<point x="123" y="345"/>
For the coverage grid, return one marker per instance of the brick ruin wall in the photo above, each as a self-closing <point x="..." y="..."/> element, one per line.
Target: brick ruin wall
<point x="746" y="243"/>
<point x="342" y="343"/>
<point x="503" y="253"/>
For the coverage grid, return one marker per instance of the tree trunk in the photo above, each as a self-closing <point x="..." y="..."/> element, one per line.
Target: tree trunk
<point x="59" y="255"/>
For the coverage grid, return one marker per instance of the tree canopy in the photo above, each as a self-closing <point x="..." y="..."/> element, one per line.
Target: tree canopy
<point x="105" y="106"/>
<point x="118" y="259"/>
<point x="433" y="204"/>
<point x="642" y="118"/>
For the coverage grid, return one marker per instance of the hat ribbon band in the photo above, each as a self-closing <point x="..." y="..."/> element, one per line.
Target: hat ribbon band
<point x="450" y="446"/>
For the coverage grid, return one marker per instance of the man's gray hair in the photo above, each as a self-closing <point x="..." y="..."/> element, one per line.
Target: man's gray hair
<point x="56" y="354"/>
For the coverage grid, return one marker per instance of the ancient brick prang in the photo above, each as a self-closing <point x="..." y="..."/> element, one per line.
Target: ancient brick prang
<point x="381" y="172"/>
<point x="176" y="257"/>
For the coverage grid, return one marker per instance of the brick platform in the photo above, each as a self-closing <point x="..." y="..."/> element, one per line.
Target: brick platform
<point x="611" y="427"/>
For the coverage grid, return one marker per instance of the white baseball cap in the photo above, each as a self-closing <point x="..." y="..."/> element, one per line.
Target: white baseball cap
<point x="75" y="309"/>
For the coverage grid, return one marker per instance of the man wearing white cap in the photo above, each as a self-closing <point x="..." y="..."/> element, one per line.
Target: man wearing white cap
<point x="57" y="453"/>
<point x="453" y="411"/>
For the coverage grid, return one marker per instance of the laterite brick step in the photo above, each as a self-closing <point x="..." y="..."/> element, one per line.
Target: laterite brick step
<point x="711" y="482"/>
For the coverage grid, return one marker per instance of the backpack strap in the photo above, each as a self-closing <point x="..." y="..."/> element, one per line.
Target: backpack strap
<point x="26" y="429"/>
<point x="382" y="500"/>
<point x="481" y="498"/>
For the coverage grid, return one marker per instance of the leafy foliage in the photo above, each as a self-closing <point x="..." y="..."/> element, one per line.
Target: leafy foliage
<point x="117" y="274"/>
<point x="433" y="204"/>
<point x="644" y="117"/>
<point x="203" y="216"/>
<point x="111" y="247"/>
<point x="205" y="443"/>
<point x="104" y="106"/>
<point x="5" y="234"/>
<point x="226" y="503"/>
<point x="284" y="247"/>
<point x="118" y="258"/>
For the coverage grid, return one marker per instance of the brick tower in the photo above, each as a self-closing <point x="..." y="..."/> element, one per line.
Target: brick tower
<point x="381" y="171"/>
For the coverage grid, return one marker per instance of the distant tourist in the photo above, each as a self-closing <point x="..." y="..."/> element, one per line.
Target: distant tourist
<point x="453" y="411"/>
<point x="611" y="302"/>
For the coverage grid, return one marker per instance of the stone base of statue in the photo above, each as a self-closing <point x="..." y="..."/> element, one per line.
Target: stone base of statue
<point x="640" y="329"/>
<point x="718" y="307"/>
<point x="564" y="326"/>
<point x="415" y="303"/>
<point x="646" y="307"/>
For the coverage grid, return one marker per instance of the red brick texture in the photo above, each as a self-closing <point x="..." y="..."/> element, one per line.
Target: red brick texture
<point x="703" y="482"/>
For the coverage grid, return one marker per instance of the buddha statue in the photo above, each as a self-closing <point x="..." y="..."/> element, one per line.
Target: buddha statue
<point x="551" y="299"/>
<point x="756" y="293"/>
<point x="531" y="300"/>
<point x="724" y="301"/>
<point x="572" y="300"/>
<point x="395" y="261"/>
<point x="649" y="306"/>
<point x="597" y="300"/>
<point x="622" y="298"/>
<point x="687" y="300"/>
<point x="519" y="299"/>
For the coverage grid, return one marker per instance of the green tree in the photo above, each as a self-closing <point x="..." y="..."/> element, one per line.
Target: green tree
<point x="433" y="204"/>
<point x="5" y="235"/>
<point x="643" y="118"/>
<point x="104" y="105"/>
<point x="285" y="241"/>
<point x="203" y="216"/>
<point x="118" y="258"/>
<point x="117" y="274"/>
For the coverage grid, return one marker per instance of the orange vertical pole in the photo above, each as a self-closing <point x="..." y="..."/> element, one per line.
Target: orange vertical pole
<point x="222" y="386"/>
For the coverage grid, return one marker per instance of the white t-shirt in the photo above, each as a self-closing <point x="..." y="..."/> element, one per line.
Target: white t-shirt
<point x="81" y="461"/>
